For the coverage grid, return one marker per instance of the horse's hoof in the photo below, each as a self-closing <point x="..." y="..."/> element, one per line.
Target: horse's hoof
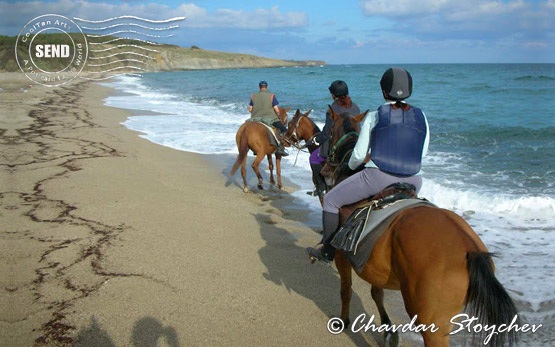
<point x="261" y="187"/>
<point x="246" y="190"/>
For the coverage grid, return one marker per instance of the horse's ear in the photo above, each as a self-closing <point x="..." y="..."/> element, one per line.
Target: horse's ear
<point x="297" y="112"/>
<point x="307" y="113"/>
<point x="360" y="117"/>
<point x="287" y="109"/>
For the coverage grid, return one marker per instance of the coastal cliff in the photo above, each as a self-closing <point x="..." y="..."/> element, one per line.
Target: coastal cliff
<point x="179" y="58"/>
<point x="127" y="55"/>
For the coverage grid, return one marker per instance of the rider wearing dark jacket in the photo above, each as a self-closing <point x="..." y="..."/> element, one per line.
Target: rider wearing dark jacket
<point x="342" y="103"/>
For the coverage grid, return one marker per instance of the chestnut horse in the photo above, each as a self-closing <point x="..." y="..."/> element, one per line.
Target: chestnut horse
<point x="254" y="136"/>
<point x="440" y="265"/>
<point x="302" y="128"/>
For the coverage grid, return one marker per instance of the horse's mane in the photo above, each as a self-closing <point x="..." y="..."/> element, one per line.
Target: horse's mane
<point x="315" y="128"/>
<point x="347" y="123"/>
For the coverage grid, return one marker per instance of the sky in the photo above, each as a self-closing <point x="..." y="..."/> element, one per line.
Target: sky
<point x="337" y="32"/>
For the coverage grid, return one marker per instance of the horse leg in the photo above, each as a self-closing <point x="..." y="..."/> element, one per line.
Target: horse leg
<point x="244" y="174"/>
<point x="434" y="300"/>
<point x="255" y="164"/>
<point x="345" y="274"/>
<point x="390" y="339"/>
<point x="271" y="167"/>
<point x="278" y="171"/>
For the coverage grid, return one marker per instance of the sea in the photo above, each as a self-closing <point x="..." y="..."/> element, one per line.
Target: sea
<point x="491" y="157"/>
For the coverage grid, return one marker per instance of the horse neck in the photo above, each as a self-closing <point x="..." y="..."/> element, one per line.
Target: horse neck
<point x="309" y="128"/>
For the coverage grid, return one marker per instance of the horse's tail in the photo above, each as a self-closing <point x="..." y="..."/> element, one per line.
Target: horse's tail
<point x="243" y="147"/>
<point x="488" y="301"/>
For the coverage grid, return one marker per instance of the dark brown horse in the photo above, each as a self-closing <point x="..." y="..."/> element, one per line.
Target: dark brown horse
<point x="254" y="136"/>
<point x="439" y="264"/>
<point x="344" y="135"/>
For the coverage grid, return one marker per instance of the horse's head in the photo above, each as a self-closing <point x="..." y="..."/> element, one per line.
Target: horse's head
<point x="344" y="124"/>
<point x="300" y="127"/>
<point x="283" y="114"/>
<point x="344" y="135"/>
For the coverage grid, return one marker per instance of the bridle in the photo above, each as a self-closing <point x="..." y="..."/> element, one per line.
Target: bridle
<point x="293" y="138"/>
<point x="337" y="154"/>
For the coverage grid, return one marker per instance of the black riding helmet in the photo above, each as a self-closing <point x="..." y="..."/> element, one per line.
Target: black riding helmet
<point x="396" y="83"/>
<point x="339" y="88"/>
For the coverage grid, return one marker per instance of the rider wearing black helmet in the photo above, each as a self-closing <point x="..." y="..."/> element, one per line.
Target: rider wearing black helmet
<point x="391" y="144"/>
<point x="341" y="103"/>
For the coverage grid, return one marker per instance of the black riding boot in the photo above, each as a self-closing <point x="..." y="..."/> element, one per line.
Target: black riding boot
<point x="325" y="253"/>
<point x="318" y="180"/>
<point x="281" y="149"/>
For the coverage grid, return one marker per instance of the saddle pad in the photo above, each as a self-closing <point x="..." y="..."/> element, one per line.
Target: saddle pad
<point x="376" y="224"/>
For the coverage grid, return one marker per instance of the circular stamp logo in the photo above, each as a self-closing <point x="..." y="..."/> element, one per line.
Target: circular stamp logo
<point x="51" y="50"/>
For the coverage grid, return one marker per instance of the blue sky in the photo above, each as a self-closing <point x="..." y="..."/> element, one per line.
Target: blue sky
<point x="347" y="31"/>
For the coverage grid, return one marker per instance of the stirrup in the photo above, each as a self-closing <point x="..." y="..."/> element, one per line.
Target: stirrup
<point x="316" y="254"/>
<point x="281" y="151"/>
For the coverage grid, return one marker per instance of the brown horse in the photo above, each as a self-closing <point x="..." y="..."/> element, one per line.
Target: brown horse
<point x="254" y="136"/>
<point x="439" y="264"/>
<point x="344" y="135"/>
<point x="302" y="128"/>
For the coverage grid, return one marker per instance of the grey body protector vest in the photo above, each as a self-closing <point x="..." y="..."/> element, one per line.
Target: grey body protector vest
<point x="397" y="140"/>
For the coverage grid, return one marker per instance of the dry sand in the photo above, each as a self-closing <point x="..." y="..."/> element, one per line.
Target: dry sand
<point x="110" y="240"/>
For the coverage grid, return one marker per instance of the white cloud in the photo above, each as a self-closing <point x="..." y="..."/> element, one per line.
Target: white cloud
<point x="263" y="18"/>
<point x="257" y="19"/>
<point x="403" y="7"/>
<point x="466" y="19"/>
<point x="452" y="8"/>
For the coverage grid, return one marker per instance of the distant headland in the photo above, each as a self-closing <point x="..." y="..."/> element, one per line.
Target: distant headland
<point x="150" y="57"/>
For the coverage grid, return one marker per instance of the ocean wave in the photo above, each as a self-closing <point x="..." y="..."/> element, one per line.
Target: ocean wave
<point x="535" y="78"/>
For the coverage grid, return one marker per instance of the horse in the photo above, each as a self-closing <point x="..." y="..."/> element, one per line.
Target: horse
<point x="344" y="135"/>
<point x="254" y="136"/>
<point x="302" y="128"/>
<point x="440" y="265"/>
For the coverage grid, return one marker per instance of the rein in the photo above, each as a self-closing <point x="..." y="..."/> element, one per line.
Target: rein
<point x="294" y="138"/>
<point x="345" y="139"/>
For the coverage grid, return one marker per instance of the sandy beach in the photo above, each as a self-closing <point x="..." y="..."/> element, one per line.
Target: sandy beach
<point x="111" y="240"/>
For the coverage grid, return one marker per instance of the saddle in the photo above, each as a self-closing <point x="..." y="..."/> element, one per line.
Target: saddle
<point x="369" y="220"/>
<point x="272" y="137"/>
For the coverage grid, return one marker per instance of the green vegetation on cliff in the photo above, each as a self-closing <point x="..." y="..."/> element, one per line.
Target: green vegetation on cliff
<point x="134" y="56"/>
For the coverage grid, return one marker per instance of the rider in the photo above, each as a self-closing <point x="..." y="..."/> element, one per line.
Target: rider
<point x="392" y="142"/>
<point x="341" y="103"/>
<point x="263" y="106"/>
